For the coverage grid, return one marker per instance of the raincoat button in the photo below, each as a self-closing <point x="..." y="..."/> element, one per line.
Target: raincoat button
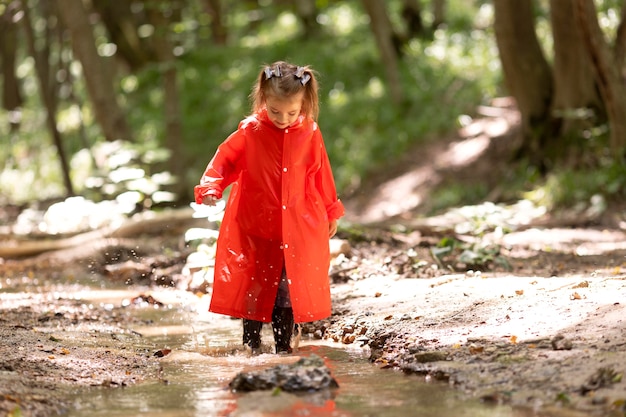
<point x="286" y="245"/>
<point x="286" y="130"/>
<point x="284" y="207"/>
<point x="285" y="169"/>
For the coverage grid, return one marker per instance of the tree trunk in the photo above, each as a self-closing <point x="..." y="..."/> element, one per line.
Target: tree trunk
<point x="381" y="27"/>
<point x="171" y="105"/>
<point x="122" y="27"/>
<point x="49" y="102"/>
<point x="412" y="16"/>
<point x="620" y="43"/>
<point x="307" y="12"/>
<point x="526" y="72"/>
<point x="218" y="29"/>
<point x="439" y="13"/>
<point x="98" y="77"/>
<point x="607" y="74"/>
<point x="576" y="102"/>
<point x="11" y="97"/>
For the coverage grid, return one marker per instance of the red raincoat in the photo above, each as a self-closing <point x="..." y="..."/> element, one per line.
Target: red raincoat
<point x="282" y="199"/>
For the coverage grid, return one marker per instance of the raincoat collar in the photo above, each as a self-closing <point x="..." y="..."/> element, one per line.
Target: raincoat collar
<point x="263" y="117"/>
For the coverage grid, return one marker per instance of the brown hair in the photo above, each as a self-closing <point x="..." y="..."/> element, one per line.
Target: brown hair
<point x="282" y="80"/>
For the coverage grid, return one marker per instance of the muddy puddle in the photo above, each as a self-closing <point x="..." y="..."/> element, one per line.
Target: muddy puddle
<point x="64" y="330"/>
<point x="204" y="354"/>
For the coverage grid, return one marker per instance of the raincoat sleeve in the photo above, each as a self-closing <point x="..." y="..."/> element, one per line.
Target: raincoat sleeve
<point x="326" y="186"/>
<point x="224" y="168"/>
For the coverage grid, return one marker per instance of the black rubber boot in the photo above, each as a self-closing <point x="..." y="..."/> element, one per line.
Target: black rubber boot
<point x="282" y="324"/>
<point x="252" y="334"/>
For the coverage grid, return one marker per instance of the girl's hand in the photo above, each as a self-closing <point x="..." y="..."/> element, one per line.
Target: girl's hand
<point x="209" y="200"/>
<point x="332" y="228"/>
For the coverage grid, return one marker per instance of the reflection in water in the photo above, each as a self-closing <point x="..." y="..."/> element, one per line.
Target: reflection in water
<point x="197" y="386"/>
<point x="206" y="355"/>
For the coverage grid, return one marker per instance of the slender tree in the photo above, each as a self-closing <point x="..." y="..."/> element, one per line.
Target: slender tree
<point x="41" y="58"/>
<point x="96" y="71"/>
<point x="161" y="17"/>
<point x="439" y="13"/>
<point x="307" y="12"/>
<point x="122" y="24"/>
<point x="381" y="27"/>
<point x="11" y="95"/>
<point x="620" y="43"/>
<point x="412" y="15"/>
<point x="219" y="32"/>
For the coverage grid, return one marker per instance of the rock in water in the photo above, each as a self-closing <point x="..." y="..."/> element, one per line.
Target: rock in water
<point x="308" y="374"/>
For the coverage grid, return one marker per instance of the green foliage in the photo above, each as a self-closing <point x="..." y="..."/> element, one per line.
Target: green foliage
<point x="363" y="130"/>
<point x="582" y="188"/>
<point x="463" y="256"/>
<point x="563" y="398"/>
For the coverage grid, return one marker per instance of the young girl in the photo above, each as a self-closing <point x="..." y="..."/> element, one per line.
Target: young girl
<point x="272" y="251"/>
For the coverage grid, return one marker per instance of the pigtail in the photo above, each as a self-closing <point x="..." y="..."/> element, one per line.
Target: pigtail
<point x="282" y="79"/>
<point x="308" y="80"/>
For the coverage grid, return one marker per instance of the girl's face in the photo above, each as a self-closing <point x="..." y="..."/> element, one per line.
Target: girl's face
<point x="284" y="111"/>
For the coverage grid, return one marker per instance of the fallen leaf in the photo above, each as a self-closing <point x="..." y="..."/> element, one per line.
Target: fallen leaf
<point x="514" y="339"/>
<point x="583" y="284"/>
<point x="575" y="296"/>
<point x="161" y="353"/>
<point x="378" y="294"/>
<point x="64" y="351"/>
<point x="519" y="292"/>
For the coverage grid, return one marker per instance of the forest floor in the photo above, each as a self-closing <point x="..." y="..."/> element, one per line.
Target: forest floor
<point x="530" y="313"/>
